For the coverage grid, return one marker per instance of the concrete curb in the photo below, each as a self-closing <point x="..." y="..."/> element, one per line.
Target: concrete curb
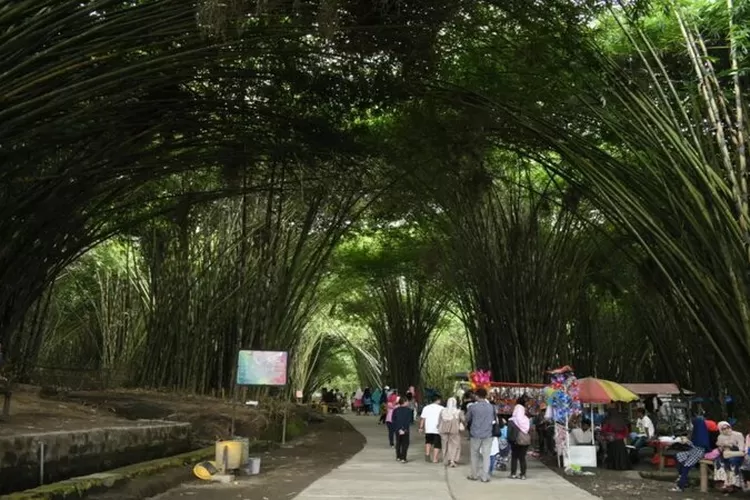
<point x="78" y="487"/>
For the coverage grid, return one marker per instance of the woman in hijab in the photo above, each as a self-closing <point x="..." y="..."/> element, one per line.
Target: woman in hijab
<point x="358" y="401"/>
<point x="367" y="401"/>
<point x="518" y="436"/>
<point x="376" y="403"/>
<point x="393" y="397"/>
<point x="698" y="445"/>
<point x="449" y="425"/>
<point x="727" y="474"/>
<point x="615" y="431"/>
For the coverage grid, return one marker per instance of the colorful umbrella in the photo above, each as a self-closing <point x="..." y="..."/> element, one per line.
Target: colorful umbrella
<point x="598" y="391"/>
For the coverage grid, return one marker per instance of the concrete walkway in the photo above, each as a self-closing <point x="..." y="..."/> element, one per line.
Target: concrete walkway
<point x="374" y="474"/>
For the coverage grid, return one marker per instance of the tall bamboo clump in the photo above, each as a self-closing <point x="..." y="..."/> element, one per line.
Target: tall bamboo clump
<point x="308" y="361"/>
<point x="90" y="322"/>
<point x="80" y="127"/>
<point x="403" y="316"/>
<point x="676" y="181"/>
<point x="240" y="274"/>
<point x="515" y="260"/>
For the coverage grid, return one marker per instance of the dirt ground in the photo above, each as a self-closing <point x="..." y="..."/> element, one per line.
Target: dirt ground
<point x="30" y="414"/>
<point x="326" y="441"/>
<point x="626" y="485"/>
<point x="34" y="410"/>
<point x="285" y="471"/>
<point x="211" y="417"/>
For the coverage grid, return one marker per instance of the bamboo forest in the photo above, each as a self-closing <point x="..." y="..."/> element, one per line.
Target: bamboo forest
<point x="391" y="191"/>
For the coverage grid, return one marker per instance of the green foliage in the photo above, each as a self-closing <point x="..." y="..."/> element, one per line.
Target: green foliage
<point x="517" y="257"/>
<point x="332" y="177"/>
<point x="450" y="354"/>
<point x="676" y="189"/>
<point x="127" y="127"/>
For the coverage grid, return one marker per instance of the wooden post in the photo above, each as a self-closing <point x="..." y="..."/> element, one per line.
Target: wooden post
<point x="566" y="457"/>
<point x="704" y="476"/>
<point x="234" y="418"/>
<point x="283" y="426"/>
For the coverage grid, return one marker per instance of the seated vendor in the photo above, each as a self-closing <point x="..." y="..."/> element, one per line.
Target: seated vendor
<point x="582" y="435"/>
<point x="644" y="429"/>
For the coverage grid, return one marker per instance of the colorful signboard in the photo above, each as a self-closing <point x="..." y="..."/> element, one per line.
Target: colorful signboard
<point x="262" y="368"/>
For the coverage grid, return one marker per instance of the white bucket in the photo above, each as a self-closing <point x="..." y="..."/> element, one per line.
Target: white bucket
<point x="253" y="466"/>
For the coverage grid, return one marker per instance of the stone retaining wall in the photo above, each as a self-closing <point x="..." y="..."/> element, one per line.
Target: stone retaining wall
<point x="75" y="453"/>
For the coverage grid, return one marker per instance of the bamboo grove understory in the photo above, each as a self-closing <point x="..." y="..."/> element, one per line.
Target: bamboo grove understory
<point x="392" y="192"/>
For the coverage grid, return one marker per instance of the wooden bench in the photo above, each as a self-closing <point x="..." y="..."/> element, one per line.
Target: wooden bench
<point x="705" y="465"/>
<point x="663" y="455"/>
<point x="7" y="393"/>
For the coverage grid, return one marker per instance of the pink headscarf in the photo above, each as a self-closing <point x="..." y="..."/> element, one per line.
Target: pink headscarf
<point x="520" y="419"/>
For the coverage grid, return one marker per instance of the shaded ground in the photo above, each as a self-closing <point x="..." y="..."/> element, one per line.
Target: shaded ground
<point x="30" y="414"/>
<point x="211" y="417"/>
<point x="284" y="471"/>
<point x="35" y="410"/>
<point x="626" y="485"/>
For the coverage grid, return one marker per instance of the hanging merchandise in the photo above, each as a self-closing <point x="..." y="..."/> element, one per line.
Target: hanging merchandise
<point x="562" y="395"/>
<point x="480" y="378"/>
<point x="563" y="401"/>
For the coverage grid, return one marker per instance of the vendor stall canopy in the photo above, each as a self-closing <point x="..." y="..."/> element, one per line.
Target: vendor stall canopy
<point x="665" y="389"/>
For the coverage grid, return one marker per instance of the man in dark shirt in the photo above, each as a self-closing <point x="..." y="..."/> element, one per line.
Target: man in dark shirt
<point x="401" y="420"/>
<point x="480" y="418"/>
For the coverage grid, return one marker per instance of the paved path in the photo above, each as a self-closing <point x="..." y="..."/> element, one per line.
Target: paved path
<point x="374" y="474"/>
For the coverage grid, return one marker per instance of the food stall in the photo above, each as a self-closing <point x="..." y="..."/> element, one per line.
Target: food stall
<point x="669" y="407"/>
<point x="668" y="403"/>
<point x="504" y="393"/>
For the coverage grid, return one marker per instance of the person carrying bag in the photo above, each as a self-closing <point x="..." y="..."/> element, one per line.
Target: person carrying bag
<point x="519" y="426"/>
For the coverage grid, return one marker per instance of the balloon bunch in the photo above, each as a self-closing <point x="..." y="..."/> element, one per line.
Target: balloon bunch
<point x="562" y="395"/>
<point x="480" y="378"/>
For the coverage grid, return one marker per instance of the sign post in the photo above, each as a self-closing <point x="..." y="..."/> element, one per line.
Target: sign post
<point x="264" y="368"/>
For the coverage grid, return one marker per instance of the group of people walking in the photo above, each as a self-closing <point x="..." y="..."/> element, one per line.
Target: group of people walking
<point x="369" y="401"/>
<point x="491" y="437"/>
